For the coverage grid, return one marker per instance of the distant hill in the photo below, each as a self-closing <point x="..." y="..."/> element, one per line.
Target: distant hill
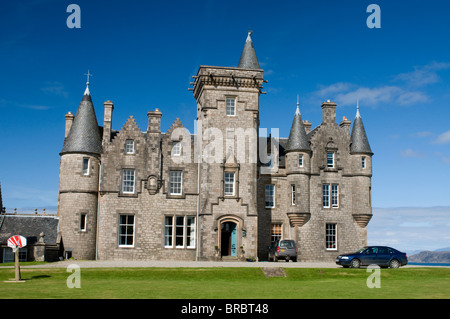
<point x="430" y="257"/>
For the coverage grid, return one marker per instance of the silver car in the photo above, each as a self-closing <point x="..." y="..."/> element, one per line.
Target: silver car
<point x="283" y="249"/>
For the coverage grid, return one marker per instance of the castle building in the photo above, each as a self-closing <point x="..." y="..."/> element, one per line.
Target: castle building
<point x="149" y="195"/>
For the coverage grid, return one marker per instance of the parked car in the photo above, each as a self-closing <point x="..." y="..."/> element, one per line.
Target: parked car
<point x="283" y="249"/>
<point x="373" y="255"/>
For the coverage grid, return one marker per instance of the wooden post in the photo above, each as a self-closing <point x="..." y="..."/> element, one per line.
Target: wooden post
<point x="16" y="265"/>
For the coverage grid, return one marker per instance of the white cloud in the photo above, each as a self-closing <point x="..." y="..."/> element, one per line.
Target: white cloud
<point x="422" y="134"/>
<point x="443" y="138"/>
<point x="345" y="94"/>
<point x="405" y="93"/>
<point x="324" y="91"/>
<point x="55" y="88"/>
<point x="36" y="107"/>
<point x="411" y="153"/>
<point x="423" y="75"/>
<point x="410" y="228"/>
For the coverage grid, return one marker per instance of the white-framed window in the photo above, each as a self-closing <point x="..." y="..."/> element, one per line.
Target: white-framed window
<point x="85" y="165"/>
<point x="176" y="182"/>
<point x="129" y="147"/>
<point x="300" y="160"/>
<point x="326" y="195"/>
<point x="126" y="230"/>
<point x="128" y="180"/>
<point x="168" y="231"/>
<point x="363" y="162"/>
<point x="228" y="187"/>
<point x="334" y="195"/>
<point x="293" y="194"/>
<point x="330" y="195"/>
<point x="277" y="232"/>
<point x="270" y="195"/>
<point x="190" y="232"/>
<point x="83" y="218"/>
<point x="331" y="237"/>
<point x="179" y="231"/>
<point x="231" y="106"/>
<point x="176" y="149"/>
<point x="330" y="159"/>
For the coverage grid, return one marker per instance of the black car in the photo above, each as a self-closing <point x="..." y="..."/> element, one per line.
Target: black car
<point x="373" y="255"/>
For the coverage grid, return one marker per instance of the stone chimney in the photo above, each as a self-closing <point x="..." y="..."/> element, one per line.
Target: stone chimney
<point x="345" y="125"/>
<point x="328" y="112"/>
<point x="154" y="121"/>
<point x="107" y="121"/>
<point x="307" y="125"/>
<point x="69" y="121"/>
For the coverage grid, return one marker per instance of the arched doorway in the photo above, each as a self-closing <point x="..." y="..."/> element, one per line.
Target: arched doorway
<point x="228" y="239"/>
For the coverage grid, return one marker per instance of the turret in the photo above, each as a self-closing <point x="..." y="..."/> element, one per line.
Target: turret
<point x="361" y="157"/>
<point x="79" y="181"/>
<point x="298" y="168"/>
<point x="359" y="148"/>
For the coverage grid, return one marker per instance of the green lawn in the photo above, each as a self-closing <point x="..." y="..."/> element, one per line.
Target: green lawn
<point x="226" y="283"/>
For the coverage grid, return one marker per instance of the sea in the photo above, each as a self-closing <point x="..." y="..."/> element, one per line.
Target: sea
<point x="430" y="264"/>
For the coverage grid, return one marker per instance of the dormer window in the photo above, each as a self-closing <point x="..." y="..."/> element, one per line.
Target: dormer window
<point x="176" y="149"/>
<point x="129" y="147"/>
<point x="330" y="159"/>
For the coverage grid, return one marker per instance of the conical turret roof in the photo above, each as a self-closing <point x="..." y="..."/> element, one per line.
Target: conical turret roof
<point x="360" y="143"/>
<point x="248" y="58"/>
<point x="298" y="141"/>
<point x="84" y="135"/>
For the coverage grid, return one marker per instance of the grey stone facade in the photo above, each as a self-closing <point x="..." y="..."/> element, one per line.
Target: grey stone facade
<point x="150" y="195"/>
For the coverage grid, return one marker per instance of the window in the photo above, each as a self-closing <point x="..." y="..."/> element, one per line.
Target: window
<point x="168" y="231"/>
<point x="326" y="195"/>
<point x="126" y="230"/>
<point x="128" y="181"/>
<point x="331" y="237"/>
<point x="334" y="195"/>
<point x="129" y="147"/>
<point x="363" y="162"/>
<point x="300" y="160"/>
<point x="175" y="181"/>
<point x="85" y="165"/>
<point x="83" y="222"/>
<point x="330" y="159"/>
<point x="270" y="196"/>
<point x="277" y="232"/>
<point x="176" y="149"/>
<point x="292" y="194"/>
<point x="9" y="255"/>
<point x="190" y="232"/>
<point x="179" y="230"/>
<point x="231" y="106"/>
<point x="229" y="184"/>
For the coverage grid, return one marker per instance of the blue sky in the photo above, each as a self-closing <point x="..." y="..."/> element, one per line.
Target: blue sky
<point x="142" y="55"/>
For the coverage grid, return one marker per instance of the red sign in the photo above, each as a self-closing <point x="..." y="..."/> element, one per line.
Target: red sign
<point x="17" y="241"/>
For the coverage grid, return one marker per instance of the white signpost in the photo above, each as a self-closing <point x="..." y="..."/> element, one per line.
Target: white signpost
<point x="16" y="242"/>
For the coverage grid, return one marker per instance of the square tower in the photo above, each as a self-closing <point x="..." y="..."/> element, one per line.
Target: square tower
<point x="226" y="152"/>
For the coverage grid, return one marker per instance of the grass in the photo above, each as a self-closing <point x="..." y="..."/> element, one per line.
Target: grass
<point x="226" y="283"/>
